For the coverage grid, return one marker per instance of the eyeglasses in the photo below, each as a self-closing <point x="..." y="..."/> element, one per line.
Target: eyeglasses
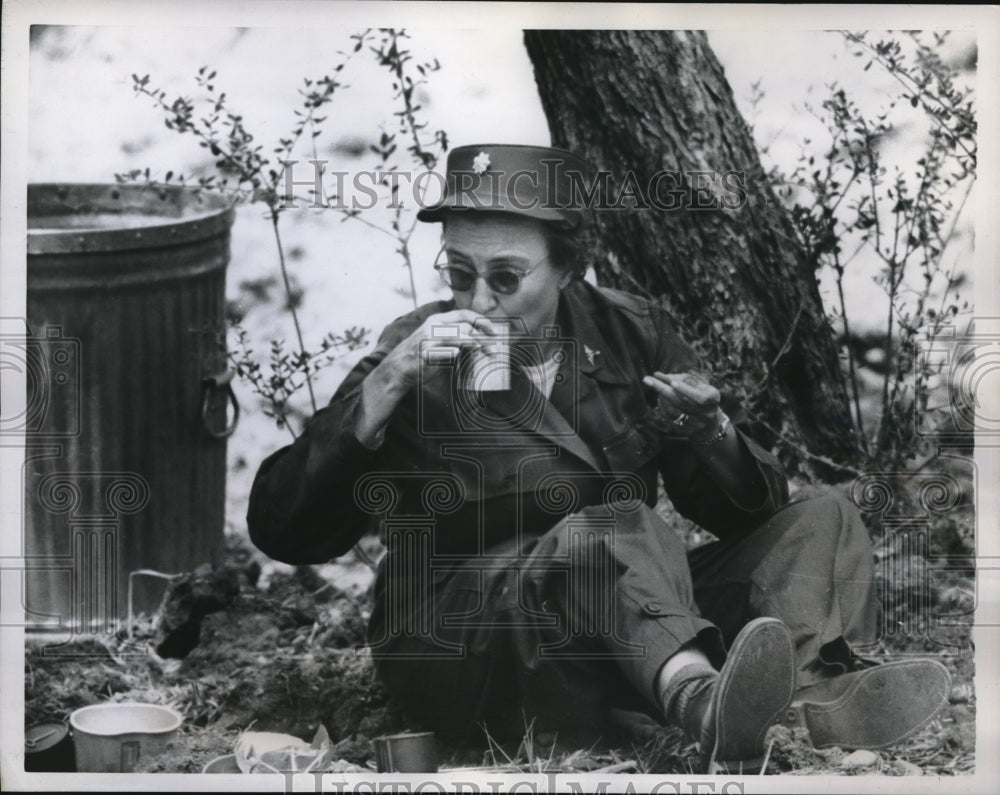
<point x="505" y="280"/>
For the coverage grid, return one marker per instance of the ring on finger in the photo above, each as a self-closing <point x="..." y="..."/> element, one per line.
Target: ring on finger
<point x="681" y="419"/>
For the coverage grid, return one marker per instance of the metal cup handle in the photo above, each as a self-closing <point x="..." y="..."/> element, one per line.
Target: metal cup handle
<point x="129" y="756"/>
<point x="209" y="386"/>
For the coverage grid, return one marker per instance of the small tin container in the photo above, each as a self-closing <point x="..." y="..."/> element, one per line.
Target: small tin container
<point x="406" y="753"/>
<point x="48" y="748"/>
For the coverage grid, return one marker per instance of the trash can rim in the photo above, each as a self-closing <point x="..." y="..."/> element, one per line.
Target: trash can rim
<point x="160" y="215"/>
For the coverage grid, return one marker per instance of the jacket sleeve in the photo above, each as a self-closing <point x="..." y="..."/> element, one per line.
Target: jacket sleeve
<point x="302" y="506"/>
<point x="690" y="484"/>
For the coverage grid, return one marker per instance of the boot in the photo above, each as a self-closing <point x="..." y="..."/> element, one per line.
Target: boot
<point x="753" y="691"/>
<point x="875" y="707"/>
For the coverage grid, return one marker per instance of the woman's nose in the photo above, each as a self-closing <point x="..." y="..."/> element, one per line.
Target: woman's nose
<point x="483" y="299"/>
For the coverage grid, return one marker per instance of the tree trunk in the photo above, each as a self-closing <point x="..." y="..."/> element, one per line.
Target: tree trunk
<point x="734" y="278"/>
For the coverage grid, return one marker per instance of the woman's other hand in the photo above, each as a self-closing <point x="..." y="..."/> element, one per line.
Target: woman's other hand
<point x="688" y="402"/>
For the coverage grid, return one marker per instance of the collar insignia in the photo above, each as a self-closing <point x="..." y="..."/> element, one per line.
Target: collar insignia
<point x="590" y="353"/>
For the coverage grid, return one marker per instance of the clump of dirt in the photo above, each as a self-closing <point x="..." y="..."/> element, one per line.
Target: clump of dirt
<point x="192" y="597"/>
<point x="792" y="752"/>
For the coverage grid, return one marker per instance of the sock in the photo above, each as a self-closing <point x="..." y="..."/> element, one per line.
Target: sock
<point x="685" y="697"/>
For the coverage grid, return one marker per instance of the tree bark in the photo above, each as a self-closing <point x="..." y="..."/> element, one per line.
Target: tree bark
<point x="734" y="278"/>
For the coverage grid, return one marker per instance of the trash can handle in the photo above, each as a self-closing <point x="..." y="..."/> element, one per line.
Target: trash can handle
<point x="209" y="385"/>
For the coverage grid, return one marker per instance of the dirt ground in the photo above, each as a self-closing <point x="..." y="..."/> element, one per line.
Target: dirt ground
<point x="250" y="646"/>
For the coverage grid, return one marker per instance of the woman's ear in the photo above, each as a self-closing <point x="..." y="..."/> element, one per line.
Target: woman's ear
<point x="567" y="277"/>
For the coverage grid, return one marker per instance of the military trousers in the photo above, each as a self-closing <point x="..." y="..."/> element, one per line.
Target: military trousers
<point x="558" y="628"/>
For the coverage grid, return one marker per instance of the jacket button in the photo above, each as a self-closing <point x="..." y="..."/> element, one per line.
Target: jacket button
<point x="654" y="607"/>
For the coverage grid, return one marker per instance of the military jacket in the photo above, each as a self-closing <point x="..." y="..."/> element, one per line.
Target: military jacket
<point x="480" y="468"/>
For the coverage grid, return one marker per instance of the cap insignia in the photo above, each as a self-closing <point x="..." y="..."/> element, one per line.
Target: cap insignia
<point x="481" y="163"/>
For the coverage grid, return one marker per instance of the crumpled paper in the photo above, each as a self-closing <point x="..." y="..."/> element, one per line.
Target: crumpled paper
<point x="271" y="752"/>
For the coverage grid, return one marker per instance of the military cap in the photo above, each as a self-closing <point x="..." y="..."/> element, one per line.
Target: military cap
<point x="541" y="182"/>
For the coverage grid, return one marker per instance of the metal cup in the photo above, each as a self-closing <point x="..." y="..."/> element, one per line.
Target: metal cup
<point x="406" y="753"/>
<point x="486" y="372"/>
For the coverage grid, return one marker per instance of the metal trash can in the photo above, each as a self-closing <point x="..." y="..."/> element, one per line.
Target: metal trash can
<point x="129" y="400"/>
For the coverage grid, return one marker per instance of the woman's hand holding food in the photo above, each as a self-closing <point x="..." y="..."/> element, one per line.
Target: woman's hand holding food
<point x="688" y="403"/>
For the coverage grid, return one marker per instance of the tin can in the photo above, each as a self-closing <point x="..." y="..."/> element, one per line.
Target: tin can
<point x="489" y="372"/>
<point x="406" y="753"/>
<point x="48" y="748"/>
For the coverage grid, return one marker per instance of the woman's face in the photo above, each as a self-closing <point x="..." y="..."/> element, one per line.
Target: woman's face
<point x="484" y="242"/>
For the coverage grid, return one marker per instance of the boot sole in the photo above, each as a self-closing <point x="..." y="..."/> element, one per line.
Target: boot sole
<point x="754" y="689"/>
<point x="883" y="707"/>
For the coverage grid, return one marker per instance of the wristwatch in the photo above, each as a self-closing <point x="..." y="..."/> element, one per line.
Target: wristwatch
<point x="719" y="434"/>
